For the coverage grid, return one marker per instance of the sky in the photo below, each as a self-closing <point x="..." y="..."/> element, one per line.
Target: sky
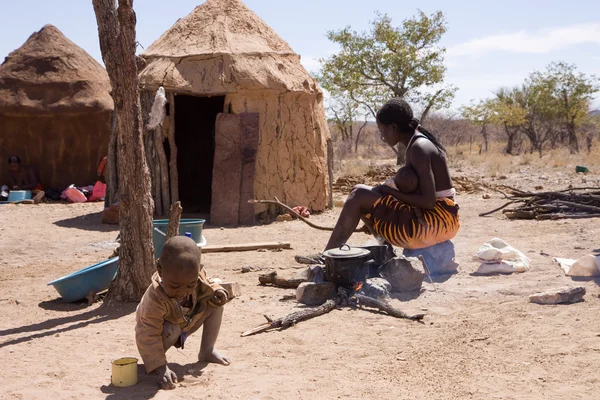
<point x="490" y="44"/>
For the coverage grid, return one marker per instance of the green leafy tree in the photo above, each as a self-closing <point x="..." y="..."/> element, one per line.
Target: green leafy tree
<point x="571" y="94"/>
<point x="480" y="114"/>
<point x="390" y="61"/>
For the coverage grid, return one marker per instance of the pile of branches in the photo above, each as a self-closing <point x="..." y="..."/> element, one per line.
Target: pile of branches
<point x="563" y="204"/>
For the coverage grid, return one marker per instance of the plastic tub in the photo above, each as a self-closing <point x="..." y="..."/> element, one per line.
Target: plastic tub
<point x="18" y="195"/>
<point x="95" y="278"/>
<point x="124" y="372"/>
<point x="159" y="232"/>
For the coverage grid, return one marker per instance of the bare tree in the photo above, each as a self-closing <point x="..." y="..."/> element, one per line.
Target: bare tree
<point x="116" y="30"/>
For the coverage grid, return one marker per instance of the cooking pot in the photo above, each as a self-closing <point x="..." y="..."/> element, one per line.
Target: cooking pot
<point x="347" y="265"/>
<point x="379" y="253"/>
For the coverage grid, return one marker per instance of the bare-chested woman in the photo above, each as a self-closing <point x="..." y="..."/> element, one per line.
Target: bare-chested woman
<point x="394" y="215"/>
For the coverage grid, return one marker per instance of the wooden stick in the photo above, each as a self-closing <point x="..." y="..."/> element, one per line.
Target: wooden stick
<point x="173" y="149"/>
<point x="246" y="247"/>
<point x="272" y="279"/>
<point x="543" y="217"/>
<point x="300" y="217"/>
<point x="293" y="318"/>
<point x="381" y="306"/>
<point x="579" y="206"/>
<point x="163" y="179"/>
<point x="497" y="209"/>
<point x="174" y="217"/>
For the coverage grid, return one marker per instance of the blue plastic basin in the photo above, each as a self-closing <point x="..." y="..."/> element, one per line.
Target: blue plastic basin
<point x="77" y="285"/>
<point x="18" y="195"/>
<point x="193" y="226"/>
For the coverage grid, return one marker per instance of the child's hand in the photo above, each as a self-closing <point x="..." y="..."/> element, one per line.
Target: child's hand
<point x="220" y="297"/>
<point x="166" y="378"/>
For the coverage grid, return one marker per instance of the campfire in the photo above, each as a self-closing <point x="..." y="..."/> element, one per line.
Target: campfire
<point x="351" y="277"/>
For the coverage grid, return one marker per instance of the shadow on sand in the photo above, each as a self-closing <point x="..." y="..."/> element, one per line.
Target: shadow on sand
<point x="89" y="222"/>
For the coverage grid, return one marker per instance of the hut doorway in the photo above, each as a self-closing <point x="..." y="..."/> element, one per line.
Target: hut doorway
<point x="195" y="139"/>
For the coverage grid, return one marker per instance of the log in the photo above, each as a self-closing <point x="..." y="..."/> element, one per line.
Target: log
<point x="381" y="306"/>
<point x="174" y="217"/>
<point x="272" y="279"/>
<point x="246" y="247"/>
<point x="174" y="175"/>
<point x="293" y="318"/>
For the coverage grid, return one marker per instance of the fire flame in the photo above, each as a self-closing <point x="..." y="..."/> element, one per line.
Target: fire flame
<point x="357" y="286"/>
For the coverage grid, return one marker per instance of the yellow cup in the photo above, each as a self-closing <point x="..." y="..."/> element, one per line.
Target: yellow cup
<point x="124" y="372"/>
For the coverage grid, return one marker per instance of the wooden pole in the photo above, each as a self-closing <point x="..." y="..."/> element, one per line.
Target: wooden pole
<point x="173" y="149"/>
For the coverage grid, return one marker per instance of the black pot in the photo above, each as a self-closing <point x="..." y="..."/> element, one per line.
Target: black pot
<point x="347" y="265"/>
<point x="379" y="256"/>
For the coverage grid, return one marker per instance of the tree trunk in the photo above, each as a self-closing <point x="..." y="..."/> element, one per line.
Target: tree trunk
<point x="484" y="133"/>
<point x="358" y="135"/>
<point x="330" y="171"/>
<point x="174" y="175"/>
<point x="573" y="142"/>
<point x="112" y="182"/>
<point x="164" y="170"/>
<point x="116" y="30"/>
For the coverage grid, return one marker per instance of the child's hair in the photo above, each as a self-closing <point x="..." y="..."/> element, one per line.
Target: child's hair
<point x="398" y="111"/>
<point x="14" y="159"/>
<point x="180" y="251"/>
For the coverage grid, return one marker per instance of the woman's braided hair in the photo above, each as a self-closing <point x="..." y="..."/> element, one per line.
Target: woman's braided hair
<point x="397" y="111"/>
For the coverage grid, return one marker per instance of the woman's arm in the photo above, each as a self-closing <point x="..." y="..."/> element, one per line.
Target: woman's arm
<point x="421" y="163"/>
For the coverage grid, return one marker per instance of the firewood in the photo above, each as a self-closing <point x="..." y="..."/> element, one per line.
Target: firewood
<point x="272" y="279"/>
<point x="293" y="318"/>
<point x="381" y="306"/>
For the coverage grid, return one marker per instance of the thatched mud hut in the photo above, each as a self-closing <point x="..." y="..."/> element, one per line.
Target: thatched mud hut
<point x="55" y="109"/>
<point x="246" y="119"/>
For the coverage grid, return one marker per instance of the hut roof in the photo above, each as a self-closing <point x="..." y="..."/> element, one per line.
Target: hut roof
<point x="218" y="27"/>
<point x="223" y="47"/>
<point x="50" y="74"/>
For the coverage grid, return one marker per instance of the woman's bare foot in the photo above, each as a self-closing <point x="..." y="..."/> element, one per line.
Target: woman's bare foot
<point x="214" y="357"/>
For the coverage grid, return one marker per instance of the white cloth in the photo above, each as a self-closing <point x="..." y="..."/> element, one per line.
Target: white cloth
<point x="446" y="193"/>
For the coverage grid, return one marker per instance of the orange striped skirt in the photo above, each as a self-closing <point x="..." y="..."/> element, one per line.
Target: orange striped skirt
<point x="398" y="223"/>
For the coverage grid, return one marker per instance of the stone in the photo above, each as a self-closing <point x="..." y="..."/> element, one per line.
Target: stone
<point x="376" y="288"/>
<point x="233" y="289"/>
<point x="486" y="196"/>
<point x="316" y="273"/>
<point x="315" y="294"/>
<point x="284" y="218"/>
<point x="565" y="295"/>
<point x="439" y="258"/>
<point x="405" y="274"/>
<point x="250" y="268"/>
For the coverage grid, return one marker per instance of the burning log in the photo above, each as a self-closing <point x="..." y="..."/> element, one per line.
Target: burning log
<point x="293" y="318"/>
<point x="367" y="301"/>
<point x="272" y="279"/>
<point x="344" y="297"/>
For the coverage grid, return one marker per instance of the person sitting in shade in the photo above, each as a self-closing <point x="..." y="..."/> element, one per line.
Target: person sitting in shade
<point x="22" y="177"/>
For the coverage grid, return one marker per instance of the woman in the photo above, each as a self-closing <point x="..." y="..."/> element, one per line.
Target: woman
<point x="393" y="215"/>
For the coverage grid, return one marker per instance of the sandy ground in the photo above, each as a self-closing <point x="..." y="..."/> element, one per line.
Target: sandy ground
<point x="481" y="339"/>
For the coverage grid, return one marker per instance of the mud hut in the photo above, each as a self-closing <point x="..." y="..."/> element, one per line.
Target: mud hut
<point x="55" y="109"/>
<point x="245" y="118"/>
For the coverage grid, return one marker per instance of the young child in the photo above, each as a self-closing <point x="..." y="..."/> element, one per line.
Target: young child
<point x="406" y="181"/>
<point x="179" y="301"/>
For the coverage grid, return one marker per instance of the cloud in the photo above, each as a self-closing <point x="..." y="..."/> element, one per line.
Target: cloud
<point x="540" y="42"/>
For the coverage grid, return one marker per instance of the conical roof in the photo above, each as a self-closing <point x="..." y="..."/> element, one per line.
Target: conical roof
<point x="218" y="27"/>
<point x="223" y="47"/>
<point x="50" y="74"/>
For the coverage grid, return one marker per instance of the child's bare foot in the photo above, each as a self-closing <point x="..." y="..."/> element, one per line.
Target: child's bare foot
<point x="214" y="357"/>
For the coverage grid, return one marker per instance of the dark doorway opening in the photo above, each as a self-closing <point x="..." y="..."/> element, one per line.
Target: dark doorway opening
<point x="195" y="139"/>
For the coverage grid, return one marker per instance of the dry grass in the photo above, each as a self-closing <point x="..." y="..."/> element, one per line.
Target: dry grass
<point x="494" y="163"/>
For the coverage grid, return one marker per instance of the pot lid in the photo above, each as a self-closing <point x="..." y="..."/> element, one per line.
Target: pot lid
<point x="346" y="251"/>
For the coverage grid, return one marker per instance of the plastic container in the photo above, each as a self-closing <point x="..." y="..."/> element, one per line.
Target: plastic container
<point x="76" y="286"/>
<point x="124" y="372"/>
<point x="186" y="225"/>
<point x="18" y="195"/>
<point x="582" y="169"/>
